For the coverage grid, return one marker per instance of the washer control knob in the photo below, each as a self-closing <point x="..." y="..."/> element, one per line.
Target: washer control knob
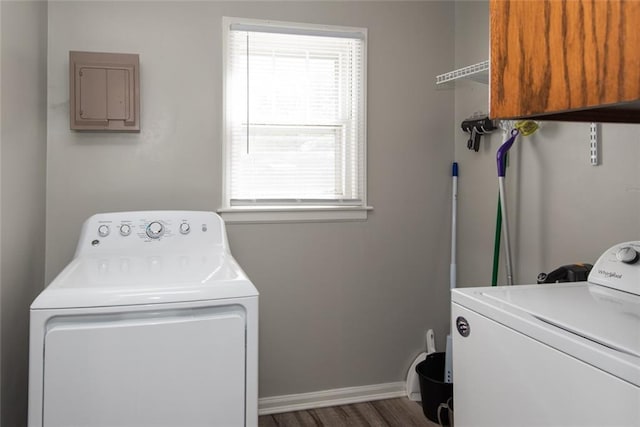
<point x="103" y="230"/>
<point x="185" y="228"/>
<point x="125" y="229"/>
<point x="155" y="230"/>
<point x="628" y="255"/>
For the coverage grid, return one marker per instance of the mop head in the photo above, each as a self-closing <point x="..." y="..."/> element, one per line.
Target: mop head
<point x="526" y="127"/>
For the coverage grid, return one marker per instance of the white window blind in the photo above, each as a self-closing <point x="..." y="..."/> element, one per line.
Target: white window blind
<point x="294" y="116"/>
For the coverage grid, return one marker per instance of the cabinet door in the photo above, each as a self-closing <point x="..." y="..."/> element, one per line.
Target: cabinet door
<point x="554" y="57"/>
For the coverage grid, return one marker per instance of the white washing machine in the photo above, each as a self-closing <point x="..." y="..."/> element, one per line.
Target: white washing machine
<point x="563" y="354"/>
<point x="153" y="323"/>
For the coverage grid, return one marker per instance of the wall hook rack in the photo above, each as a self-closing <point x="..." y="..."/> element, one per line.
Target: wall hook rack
<point x="477" y="126"/>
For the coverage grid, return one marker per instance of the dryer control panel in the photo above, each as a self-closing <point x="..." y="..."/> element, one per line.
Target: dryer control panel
<point x="619" y="268"/>
<point x="165" y="231"/>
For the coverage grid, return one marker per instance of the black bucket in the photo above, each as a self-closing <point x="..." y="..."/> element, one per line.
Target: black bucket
<point x="433" y="389"/>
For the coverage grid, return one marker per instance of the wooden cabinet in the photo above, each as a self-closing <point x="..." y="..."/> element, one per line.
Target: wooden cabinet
<point x="574" y="60"/>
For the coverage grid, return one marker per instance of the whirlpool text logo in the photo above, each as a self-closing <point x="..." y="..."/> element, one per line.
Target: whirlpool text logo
<point x="610" y="274"/>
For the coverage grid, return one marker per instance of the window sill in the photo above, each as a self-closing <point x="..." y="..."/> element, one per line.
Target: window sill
<point x="293" y="214"/>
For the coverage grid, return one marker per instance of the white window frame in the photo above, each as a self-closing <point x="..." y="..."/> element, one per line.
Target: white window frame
<point x="288" y="213"/>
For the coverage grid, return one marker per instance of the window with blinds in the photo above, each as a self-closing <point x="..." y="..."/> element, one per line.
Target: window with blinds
<point x="294" y="115"/>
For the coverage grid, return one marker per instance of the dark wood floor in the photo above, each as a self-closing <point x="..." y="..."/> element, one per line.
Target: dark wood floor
<point x="400" y="412"/>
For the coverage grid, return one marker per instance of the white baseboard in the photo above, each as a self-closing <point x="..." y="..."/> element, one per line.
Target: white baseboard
<point x="322" y="399"/>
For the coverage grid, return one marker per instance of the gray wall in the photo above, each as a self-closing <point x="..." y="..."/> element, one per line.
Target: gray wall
<point x="342" y="304"/>
<point x="561" y="209"/>
<point x="22" y="203"/>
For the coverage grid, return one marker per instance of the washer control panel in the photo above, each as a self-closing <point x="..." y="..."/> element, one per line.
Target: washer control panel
<point x="160" y="229"/>
<point x="619" y="268"/>
<point x="144" y="229"/>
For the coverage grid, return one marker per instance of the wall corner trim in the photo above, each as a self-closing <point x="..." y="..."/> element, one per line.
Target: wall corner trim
<point x="334" y="397"/>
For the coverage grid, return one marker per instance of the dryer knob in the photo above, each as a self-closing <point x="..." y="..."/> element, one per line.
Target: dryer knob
<point x="125" y="229"/>
<point x="155" y="230"/>
<point x="628" y="255"/>
<point x="185" y="228"/>
<point x="103" y="230"/>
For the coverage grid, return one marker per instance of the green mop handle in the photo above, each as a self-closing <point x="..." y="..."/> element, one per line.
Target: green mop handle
<point x="502" y="168"/>
<point x="496" y="245"/>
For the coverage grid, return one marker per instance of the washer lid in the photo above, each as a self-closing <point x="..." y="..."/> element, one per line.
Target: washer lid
<point x="90" y="281"/>
<point x="594" y="312"/>
<point x="596" y="324"/>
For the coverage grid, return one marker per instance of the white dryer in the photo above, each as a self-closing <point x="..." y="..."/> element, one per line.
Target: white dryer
<point x="563" y="354"/>
<point x="153" y="323"/>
